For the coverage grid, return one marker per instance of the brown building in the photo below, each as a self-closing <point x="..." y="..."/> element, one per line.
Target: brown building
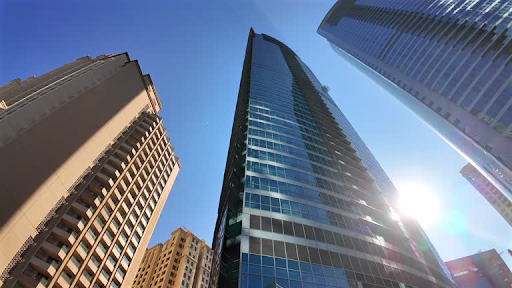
<point x="501" y="203"/>
<point x="481" y="270"/>
<point x="85" y="170"/>
<point x="182" y="261"/>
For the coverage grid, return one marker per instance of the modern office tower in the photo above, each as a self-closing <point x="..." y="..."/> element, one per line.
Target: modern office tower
<point x="182" y="261"/>
<point x="502" y="204"/>
<point x="85" y="170"/>
<point x="481" y="270"/>
<point x="447" y="61"/>
<point x="299" y="206"/>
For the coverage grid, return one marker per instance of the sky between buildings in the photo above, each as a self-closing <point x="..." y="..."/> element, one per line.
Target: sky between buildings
<point x="194" y="52"/>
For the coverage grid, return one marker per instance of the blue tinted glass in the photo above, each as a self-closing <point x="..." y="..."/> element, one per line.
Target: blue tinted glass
<point x="328" y="271"/>
<point x="244" y="268"/>
<point x="317" y="269"/>
<point x="254" y="281"/>
<point x="341" y="282"/>
<point x="293" y="265"/>
<point x="268" y="271"/>
<point x="268" y="281"/>
<point x="305" y="267"/>
<point x="330" y="281"/>
<point x="340" y="273"/>
<point x="255" y="198"/>
<point x="244" y="257"/>
<point x="294" y="274"/>
<point x="319" y="279"/>
<point x="283" y="273"/>
<point x="265" y="200"/>
<point x="282" y="283"/>
<point x="268" y="261"/>
<point x="295" y="284"/>
<point x="254" y="269"/>
<point x="243" y="281"/>
<point x="308" y="285"/>
<point x="254" y="259"/>
<point x="275" y="202"/>
<point x="307" y="277"/>
<point x="280" y="263"/>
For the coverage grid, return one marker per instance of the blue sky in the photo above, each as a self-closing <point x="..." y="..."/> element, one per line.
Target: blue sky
<point x="194" y="52"/>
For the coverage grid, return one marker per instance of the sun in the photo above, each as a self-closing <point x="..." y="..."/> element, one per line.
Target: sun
<point x="417" y="200"/>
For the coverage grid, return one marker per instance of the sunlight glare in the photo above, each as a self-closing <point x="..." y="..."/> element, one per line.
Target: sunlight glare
<point x="418" y="201"/>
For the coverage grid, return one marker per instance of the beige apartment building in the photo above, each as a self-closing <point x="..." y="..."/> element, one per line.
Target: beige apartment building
<point x="85" y="169"/>
<point x="184" y="261"/>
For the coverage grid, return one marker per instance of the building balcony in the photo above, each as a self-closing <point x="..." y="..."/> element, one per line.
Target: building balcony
<point x="117" y="163"/>
<point x="53" y="250"/>
<point x="105" y="179"/>
<point x="82" y="210"/>
<point x="28" y="281"/>
<point x="73" y="222"/>
<point x="68" y="237"/>
<point x="97" y="188"/>
<point x="63" y="282"/>
<point x="43" y="267"/>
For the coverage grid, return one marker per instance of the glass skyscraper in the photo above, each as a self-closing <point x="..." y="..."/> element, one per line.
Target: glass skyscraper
<point x="447" y="61"/>
<point x="303" y="202"/>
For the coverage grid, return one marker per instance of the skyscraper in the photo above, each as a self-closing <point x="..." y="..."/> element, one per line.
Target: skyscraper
<point x="481" y="270"/>
<point x="299" y="205"/>
<point x="489" y="191"/>
<point x="182" y="261"/>
<point x="85" y="170"/>
<point x="447" y="61"/>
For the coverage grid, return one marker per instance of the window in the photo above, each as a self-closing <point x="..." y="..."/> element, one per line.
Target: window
<point x="102" y="247"/>
<point x="95" y="261"/>
<point x="120" y="272"/>
<point x="66" y="277"/>
<point x="87" y="275"/>
<point x="92" y="233"/>
<point x="76" y="262"/>
<point x="111" y="261"/>
<point x="117" y="248"/>
<point x="105" y="274"/>
<point x="84" y="247"/>
<point x="109" y="235"/>
<point x="126" y="260"/>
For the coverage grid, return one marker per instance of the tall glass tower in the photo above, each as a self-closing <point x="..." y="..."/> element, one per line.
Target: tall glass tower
<point x="303" y="201"/>
<point x="448" y="61"/>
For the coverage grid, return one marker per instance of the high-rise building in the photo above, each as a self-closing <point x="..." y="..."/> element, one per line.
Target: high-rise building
<point x="502" y="204"/>
<point x="184" y="261"/>
<point x="299" y="205"/>
<point x="85" y="170"/>
<point x="481" y="270"/>
<point x="447" y="61"/>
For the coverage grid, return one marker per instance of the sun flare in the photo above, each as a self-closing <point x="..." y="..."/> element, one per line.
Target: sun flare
<point x="417" y="200"/>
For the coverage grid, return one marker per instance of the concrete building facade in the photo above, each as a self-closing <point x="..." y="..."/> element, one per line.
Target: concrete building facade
<point x="502" y="204"/>
<point x="85" y="170"/>
<point x="449" y="62"/>
<point x="184" y="261"/>
<point x="300" y="205"/>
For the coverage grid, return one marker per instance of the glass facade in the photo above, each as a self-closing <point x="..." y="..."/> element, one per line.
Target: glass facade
<point x="299" y="205"/>
<point x="448" y="61"/>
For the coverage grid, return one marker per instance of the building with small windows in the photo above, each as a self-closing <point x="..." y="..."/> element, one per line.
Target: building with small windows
<point x="93" y="170"/>
<point x="502" y="204"/>
<point x="184" y="261"/>
<point x="449" y="62"/>
<point x="481" y="270"/>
